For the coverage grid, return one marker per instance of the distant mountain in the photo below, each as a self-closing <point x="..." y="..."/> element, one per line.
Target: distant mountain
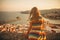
<point x="43" y="11"/>
<point x="50" y="13"/>
<point x="25" y="12"/>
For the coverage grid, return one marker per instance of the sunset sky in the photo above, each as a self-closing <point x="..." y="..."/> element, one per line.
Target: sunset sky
<point x="21" y="5"/>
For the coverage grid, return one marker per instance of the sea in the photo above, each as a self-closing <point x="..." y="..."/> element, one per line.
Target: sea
<point x="24" y="18"/>
<point x="7" y="16"/>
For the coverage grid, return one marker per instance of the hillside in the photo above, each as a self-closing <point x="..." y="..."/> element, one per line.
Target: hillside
<point x="50" y="14"/>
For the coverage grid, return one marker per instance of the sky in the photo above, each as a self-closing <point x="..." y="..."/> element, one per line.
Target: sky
<point x="22" y="5"/>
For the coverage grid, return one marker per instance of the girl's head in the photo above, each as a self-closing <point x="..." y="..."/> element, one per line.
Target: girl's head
<point x="35" y="11"/>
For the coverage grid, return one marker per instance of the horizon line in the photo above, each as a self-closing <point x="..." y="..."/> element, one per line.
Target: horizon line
<point x="28" y="10"/>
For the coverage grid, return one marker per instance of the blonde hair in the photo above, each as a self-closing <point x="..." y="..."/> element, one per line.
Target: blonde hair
<point x="34" y="12"/>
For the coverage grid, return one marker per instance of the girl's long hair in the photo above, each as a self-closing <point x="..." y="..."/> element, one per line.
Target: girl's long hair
<point x="35" y="12"/>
